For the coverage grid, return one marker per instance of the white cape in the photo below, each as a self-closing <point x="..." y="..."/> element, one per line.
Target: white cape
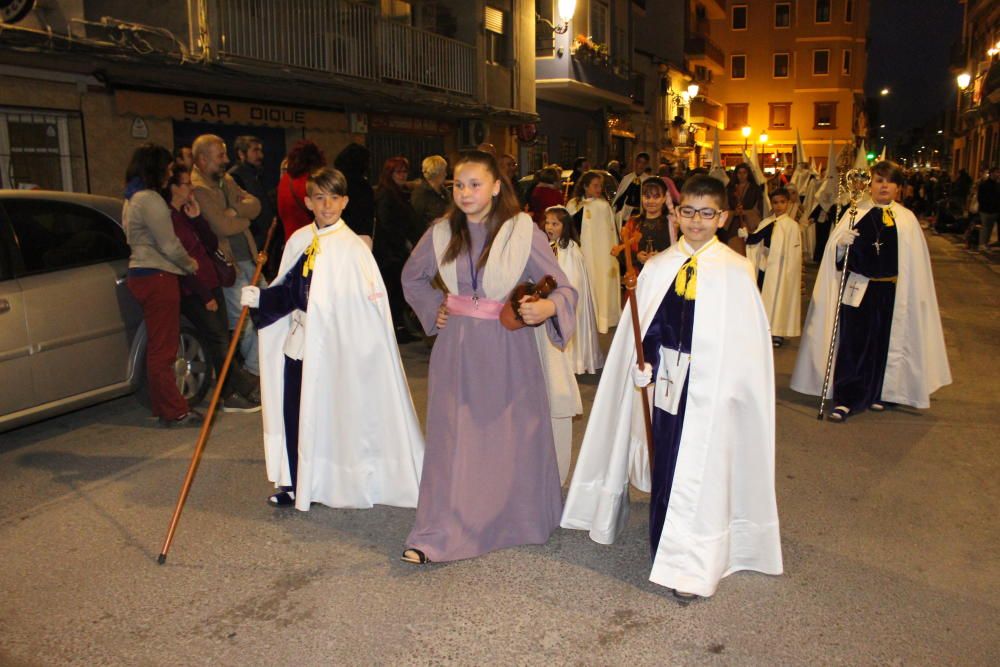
<point x="917" y="363"/>
<point x="597" y="237"/>
<point x="782" y="266"/>
<point x="359" y="438"/>
<point x="722" y="515"/>
<point x="583" y="349"/>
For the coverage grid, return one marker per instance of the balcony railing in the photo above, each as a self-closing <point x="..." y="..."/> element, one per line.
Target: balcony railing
<point x="342" y="37"/>
<point x="702" y="46"/>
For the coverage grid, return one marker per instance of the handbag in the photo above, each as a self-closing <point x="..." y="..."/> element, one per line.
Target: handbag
<point x="224" y="269"/>
<point x="510" y="316"/>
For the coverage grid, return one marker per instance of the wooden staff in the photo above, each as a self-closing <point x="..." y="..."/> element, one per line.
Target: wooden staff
<point x="631" y="276"/>
<point x="206" y="426"/>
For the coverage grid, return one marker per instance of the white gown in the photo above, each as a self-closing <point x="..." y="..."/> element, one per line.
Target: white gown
<point x="583" y="349"/>
<point x="722" y="514"/>
<point x="597" y="237"/>
<point x="917" y="362"/>
<point x="360" y="443"/>
<point x="782" y="266"/>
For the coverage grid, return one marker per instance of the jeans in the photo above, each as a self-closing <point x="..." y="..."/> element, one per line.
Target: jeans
<point x="987" y="220"/>
<point x="160" y="298"/>
<point x="245" y="269"/>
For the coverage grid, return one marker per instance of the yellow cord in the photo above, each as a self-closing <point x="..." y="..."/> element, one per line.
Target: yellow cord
<point x="686" y="283"/>
<point x="311" y="253"/>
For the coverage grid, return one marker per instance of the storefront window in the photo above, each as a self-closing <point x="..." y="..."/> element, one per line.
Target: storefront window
<point x="41" y="149"/>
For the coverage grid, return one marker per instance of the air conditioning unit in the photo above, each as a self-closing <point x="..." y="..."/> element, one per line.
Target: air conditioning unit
<point x="472" y="132"/>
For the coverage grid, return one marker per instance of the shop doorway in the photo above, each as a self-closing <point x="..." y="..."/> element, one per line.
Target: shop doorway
<point x="411" y="146"/>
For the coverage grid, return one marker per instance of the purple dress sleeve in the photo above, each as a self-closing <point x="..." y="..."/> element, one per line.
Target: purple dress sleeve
<point x="418" y="274"/>
<point x="542" y="261"/>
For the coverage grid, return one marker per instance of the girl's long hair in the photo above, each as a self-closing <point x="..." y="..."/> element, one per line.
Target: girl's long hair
<point x="504" y="207"/>
<point x="568" y="228"/>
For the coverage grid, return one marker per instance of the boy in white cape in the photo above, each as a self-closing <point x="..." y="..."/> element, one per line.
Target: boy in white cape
<point x="775" y="251"/>
<point x="712" y="507"/>
<point x="339" y="425"/>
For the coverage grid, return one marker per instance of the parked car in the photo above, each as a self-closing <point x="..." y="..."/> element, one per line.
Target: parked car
<point x="71" y="334"/>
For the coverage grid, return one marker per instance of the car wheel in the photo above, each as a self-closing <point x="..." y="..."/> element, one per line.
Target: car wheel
<point x="193" y="371"/>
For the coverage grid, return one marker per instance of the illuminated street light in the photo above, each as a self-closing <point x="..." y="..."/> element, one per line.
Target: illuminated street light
<point x="746" y="135"/>
<point x="885" y="91"/>
<point x="963" y="80"/>
<point x="693" y="90"/>
<point x="882" y="126"/>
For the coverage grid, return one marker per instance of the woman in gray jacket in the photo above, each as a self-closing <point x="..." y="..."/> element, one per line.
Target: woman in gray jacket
<point x="157" y="259"/>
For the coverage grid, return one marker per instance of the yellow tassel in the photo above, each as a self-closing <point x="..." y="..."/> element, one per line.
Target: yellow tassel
<point x="686" y="283"/>
<point x="888" y="217"/>
<point x="311" y="252"/>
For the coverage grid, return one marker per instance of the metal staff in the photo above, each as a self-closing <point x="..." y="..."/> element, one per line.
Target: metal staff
<point x="856" y="182"/>
<point x="631" y="276"/>
<point x="206" y="426"/>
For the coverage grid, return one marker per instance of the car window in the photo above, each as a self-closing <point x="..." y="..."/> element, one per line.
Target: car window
<point x="53" y="235"/>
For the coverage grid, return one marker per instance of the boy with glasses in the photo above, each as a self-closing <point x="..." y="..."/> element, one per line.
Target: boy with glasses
<point x="710" y="379"/>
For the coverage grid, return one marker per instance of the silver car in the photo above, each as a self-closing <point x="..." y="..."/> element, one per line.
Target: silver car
<point x="71" y="334"/>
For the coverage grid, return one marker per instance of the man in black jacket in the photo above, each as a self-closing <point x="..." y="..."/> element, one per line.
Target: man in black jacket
<point x="248" y="172"/>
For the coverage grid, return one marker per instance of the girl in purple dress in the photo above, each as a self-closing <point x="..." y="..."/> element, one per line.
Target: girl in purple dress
<point x="490" y="478"/>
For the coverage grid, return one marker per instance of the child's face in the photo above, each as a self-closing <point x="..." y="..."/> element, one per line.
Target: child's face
<point x="594" y="188"/>
<point x="474" y="190"/>
<point x="653" y="200"/>
<point x="553" y="227"/>
<point x="779" y="205"/>
<point x="697" y="230"/>
<point x="326" y="206"/>
<point x="883" y="190"/>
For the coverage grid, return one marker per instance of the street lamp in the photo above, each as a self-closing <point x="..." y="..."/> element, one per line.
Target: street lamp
<point x="884" y="92"/>
<point x="693" y="91"/>
<point x="963" y="80"/>
<point x="566" y="9"/>
<point x="746" y="135"/>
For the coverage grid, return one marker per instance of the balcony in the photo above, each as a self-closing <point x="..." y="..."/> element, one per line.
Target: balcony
<point x="703" y="52"/>
<point x="705" y="112"/>
<point x="344" y="38"/>
<point x="587" y="81"/>
<point x="714" y="9"/>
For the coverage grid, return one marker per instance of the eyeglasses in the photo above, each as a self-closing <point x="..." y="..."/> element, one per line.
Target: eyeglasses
<point x="688" y="212"/>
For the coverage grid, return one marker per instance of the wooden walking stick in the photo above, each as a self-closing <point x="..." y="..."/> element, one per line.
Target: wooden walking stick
<point x="856" y="182"/>
<point x="206" y="426"/>
<point x="631" y="236"/>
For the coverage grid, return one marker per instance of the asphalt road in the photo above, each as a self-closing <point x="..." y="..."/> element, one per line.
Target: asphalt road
<point x="889" y="530"/>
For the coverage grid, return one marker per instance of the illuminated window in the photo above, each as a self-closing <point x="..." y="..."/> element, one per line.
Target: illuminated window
<point x="780" y="116"/>
<point x="824" y="115"/>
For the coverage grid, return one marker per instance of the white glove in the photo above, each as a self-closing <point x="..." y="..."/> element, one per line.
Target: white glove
<point x="845" y="237"/>
<point x="643" y="377"/>
<point x="250" y="296"/>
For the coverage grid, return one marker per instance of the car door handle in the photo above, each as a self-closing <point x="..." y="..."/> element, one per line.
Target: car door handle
<point x="4" y="306"/>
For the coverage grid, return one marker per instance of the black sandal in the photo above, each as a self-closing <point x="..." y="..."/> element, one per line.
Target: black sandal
<point x="282" y="499"/>
<point x="839" y="414"/>
<point x="684" y="597"/>
<point x="414" y="556"/>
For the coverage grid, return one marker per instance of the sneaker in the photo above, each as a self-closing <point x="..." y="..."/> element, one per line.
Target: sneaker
<point x="237" y="403"/>
<point x="189" y="419"/>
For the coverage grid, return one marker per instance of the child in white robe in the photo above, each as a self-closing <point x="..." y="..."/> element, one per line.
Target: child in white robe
<point x="705" y="337"/>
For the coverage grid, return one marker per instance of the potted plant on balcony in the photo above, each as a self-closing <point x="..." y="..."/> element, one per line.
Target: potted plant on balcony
<point x="586" y="49"/>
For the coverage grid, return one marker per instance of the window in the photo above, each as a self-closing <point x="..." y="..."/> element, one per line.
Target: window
<point x="496" y="42"/>
<point x="821" y="62"/>
<point x="782" y="15"/>
<point x="780" y="116"/>
<point x="737" y="115"/>
<point x="822" y="11"/>
<point x="400" y="11"/>
<point x="599" y="22"/>
<point x="845" y="63"/>
<point x="849" y="11"/>
<point x="569" y="150"/>
<point x="824" y="115"/>
<point x="782" y="62"/>
<point x="55" y="235"/>
<point x="738" y="67"/>
<point x="41" y="149"/>
<point x="738" y="18"/>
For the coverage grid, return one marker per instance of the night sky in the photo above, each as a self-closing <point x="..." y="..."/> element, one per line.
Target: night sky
<point x="909" y="53"/>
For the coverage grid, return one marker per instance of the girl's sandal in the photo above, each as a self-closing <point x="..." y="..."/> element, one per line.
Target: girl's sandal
<point x="415" y="556"/>
<point x="839" y="414"/>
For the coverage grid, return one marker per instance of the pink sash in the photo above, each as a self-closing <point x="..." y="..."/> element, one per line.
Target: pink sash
<point x="466" y="306"/>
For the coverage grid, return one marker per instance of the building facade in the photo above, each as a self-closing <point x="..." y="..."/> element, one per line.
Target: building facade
<point x="975" y="127"/>
<point x="83" y="82"/>
<point x="790" y="65"/>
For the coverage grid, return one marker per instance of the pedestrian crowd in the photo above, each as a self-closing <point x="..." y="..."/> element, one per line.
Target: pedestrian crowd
<point x="512" y="279"/>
